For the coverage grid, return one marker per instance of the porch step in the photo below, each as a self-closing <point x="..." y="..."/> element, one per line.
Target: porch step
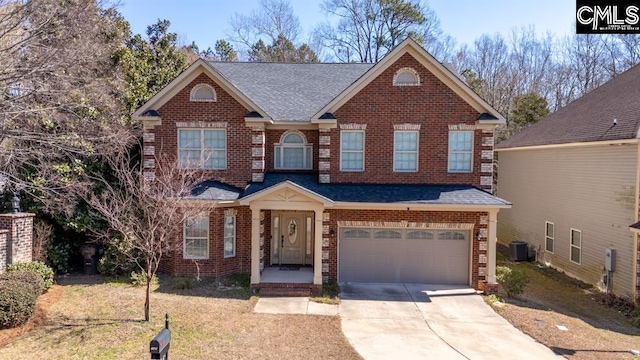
<point x="285" y="291"/>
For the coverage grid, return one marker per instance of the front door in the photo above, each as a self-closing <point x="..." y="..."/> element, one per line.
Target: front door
<point x="292" y="238"/>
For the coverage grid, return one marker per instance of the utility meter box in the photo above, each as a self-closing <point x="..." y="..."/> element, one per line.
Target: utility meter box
<point x="609" y="259"/>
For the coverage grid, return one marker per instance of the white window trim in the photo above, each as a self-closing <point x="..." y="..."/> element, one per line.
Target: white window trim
<point x="282" y="145"/>
<point x="184" y="242"/>
<point x="552" y="237"/>
<point x="409" y="70"/>
<point x="417" y="151"/>
<point x="571" y="246"/>
<point x="200" y="165"/>
<point x="449" y="152"/>
<point x="224" y="238"/>
<point x="200" y="86"/>
<point x="353" y="151"/>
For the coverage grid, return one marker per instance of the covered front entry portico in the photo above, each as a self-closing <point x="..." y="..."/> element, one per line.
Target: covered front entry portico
<point x="296" y="228"/>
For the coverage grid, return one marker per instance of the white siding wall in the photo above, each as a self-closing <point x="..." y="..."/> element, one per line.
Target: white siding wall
<point x="591" y="189"/>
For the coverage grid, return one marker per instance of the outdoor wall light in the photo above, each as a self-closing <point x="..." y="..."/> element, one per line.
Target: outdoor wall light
<point x="332" y="232"/>
<point x="478" y="234"/>
<point x="15" y="203"/>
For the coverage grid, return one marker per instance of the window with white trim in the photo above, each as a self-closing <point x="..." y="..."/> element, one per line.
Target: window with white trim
<point x="405" y="151"/>
<point x="229" y="236"/>
<point x="548" y="236"/>
<point x="576" y="246"/>
<point x="406" y="77"/>
<point x="293" y="152"/>
<point x="460" y="151"/>
<point x="196" y="238"/>
<point x="352" y="150"/>
<point x="203" y="93"/>
<point x="202" y="148"/>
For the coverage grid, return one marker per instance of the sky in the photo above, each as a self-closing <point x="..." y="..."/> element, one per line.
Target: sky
<point x="205" y="21"/>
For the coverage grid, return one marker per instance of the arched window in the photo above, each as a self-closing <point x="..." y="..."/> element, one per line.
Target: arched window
<point x="203" y="93"/>
<point x="406" y="77"/>
<point x="293" y="152"/>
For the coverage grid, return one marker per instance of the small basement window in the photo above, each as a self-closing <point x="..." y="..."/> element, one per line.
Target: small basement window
<point x="203" y="93"/>
<point x="406" y="77"/>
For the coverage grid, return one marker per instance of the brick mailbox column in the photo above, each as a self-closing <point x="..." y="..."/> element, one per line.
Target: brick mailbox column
<point x="17" y="228"/>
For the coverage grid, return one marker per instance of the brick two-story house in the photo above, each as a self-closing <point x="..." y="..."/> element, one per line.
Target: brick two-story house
<point x="353" y="172"/>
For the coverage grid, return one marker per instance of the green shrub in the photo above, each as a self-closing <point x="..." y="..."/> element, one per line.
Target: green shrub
<point x="115" y="263"/>
<point x="182" y="283"/>
<point x="17" y="302"/>
<point x="37" y="267"/>
<point x="25" y="276"/>
<point x="139" y="278"/>
<point x="513" y="281"/>
<point x="58" y="257"/>
<point x="331" y="289"/>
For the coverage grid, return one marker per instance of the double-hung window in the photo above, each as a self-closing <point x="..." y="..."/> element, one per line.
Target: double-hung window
<point x="549" y="236"/>
<point x="229" y="236"/>
<point x="202" y="148"/>
<point x="196" y="238"/>
<point x="576" y="245"/>
<point x="460" y="151"/>
<point x="352" y="150"/>
<point x="293" y="153"/>
<point x="405" y="151"/>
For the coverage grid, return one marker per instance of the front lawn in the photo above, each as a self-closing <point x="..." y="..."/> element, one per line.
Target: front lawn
<point x="594" y="331"/>
<point x="95" y="319"/>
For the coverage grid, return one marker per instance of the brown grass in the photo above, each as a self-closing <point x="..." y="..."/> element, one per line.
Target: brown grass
<point x="43" y="304"/>
<point x="595" y="330"/>
<point x="97" y="320"/>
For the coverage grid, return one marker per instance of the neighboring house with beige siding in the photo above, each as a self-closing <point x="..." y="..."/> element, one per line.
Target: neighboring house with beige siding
<point x="573" y="179"/>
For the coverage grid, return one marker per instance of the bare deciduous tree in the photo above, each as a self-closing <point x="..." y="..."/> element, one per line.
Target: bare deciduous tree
<point x="147" y="214"/>
<point x="366" y="30"/>
<point x="61" y="92"/>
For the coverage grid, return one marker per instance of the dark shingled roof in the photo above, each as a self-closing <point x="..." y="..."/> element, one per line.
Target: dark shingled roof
<point x="291" y="91"/>
<point x="591" y="117"/>
<point x="214" y="190"/>
<point x="383" y="193"/>
<point x="635" y="226"/>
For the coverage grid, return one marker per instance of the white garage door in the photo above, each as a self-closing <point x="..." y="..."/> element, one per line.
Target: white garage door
<point x="404" y="255"/>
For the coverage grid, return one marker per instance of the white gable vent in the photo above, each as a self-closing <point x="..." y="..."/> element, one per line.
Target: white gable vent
<point x="203" y="93"/>
<point x="406" y="77"/>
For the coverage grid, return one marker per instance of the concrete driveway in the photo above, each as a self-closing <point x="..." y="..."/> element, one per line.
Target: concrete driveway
<point x="413" y="321"/>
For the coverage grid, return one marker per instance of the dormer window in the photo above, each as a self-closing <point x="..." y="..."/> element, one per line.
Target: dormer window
<point x="203" y="93"/>
<point x="293" y="152"/>
<point x="406" y="77"/>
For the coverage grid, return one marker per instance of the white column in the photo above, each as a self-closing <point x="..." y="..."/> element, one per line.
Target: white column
<point x="491" y="246"/>
<point x="255" y="245"/>
<point x="317" y="253"/>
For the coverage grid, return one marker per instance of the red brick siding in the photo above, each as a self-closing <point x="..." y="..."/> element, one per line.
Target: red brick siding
<point x="381" y="105"/>
<point x="217" y="264"/>
<point x="225" y="109"/>
<point x="411" y="216"/>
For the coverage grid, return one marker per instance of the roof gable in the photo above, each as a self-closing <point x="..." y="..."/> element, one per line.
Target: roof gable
<point x="430" y="63"/>
<point x="609" y="112"/>
<point x="186" y="77"/>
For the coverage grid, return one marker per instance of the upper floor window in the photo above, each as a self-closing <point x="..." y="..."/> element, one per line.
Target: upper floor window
<point x="406" y="77"/>
<point x="460" y="151"/>
<point x="293" y="152"/>
<point x="405" y="151"/>
<point x="196" y="238"/>
<point x="203" y="93"/>
<point x="202" y="148"/>
<point x="352" y="150"/>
